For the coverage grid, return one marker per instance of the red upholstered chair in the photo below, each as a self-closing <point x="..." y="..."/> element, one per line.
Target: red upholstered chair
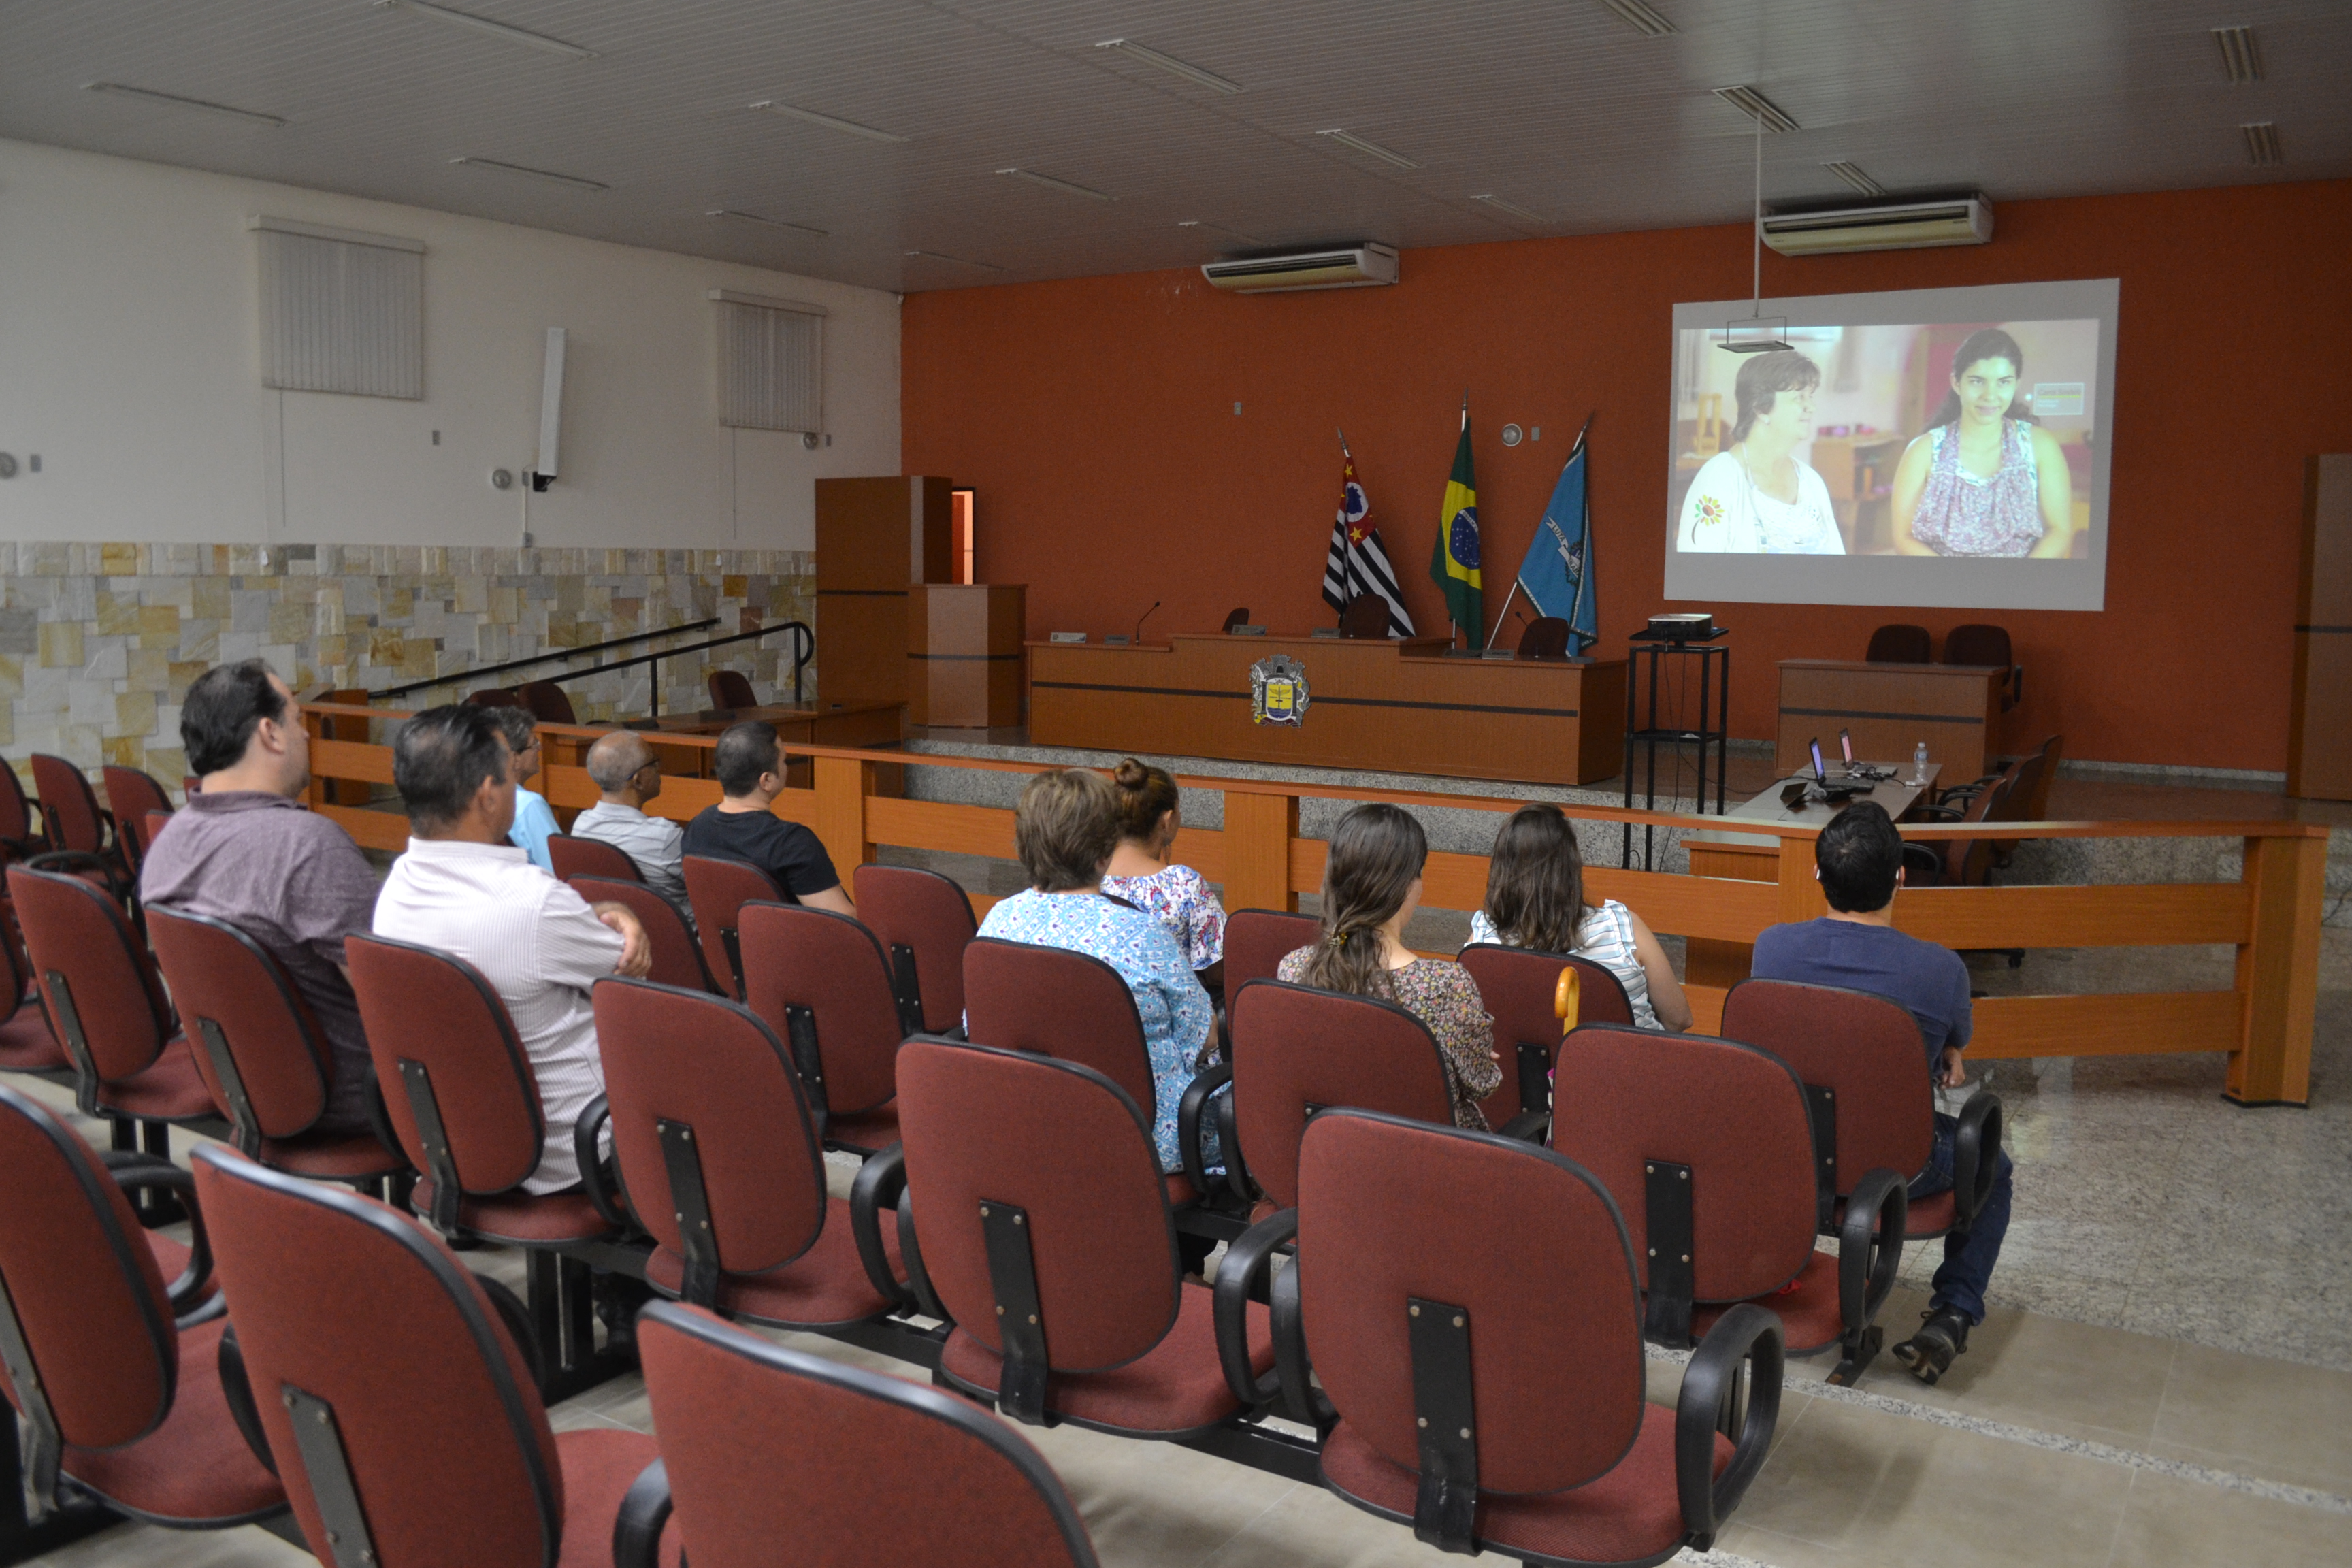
<point x="718" y="1156"/>
<point x="394" y="1388"/>
<point x="590" y="857"/>
<point x="141" y="835"/>
<point x="677" y="957"/>
<point x="1900" y="644"/>
<point x="20" y="834"/>
<point x="26" y="1042"/>
<point x="546" y="702"/>
<point x="131" y="797"/>
<point x="1257" y="941"/>
<point x="1961" y="862"/>
<point x="117" y="1382"/>
<point x="261" y="1053"/>
<point x="464" y="1102"/>
<point x="69" y="806"/>
<point x="1708" y="1147"/>
<point x="731" y="689"/>
<point x="718" y="889"/>
<point x="1046" y="1237"/>
<point x="1518" y="986"/>
<point x="1489" y="1378"/>
<point x="1864" y="1070"/>
<point x="924" y="920"/>
<point x="735" y="1413"/>
<point x="1298" y="1051"/>
<point x="819" y="980"/>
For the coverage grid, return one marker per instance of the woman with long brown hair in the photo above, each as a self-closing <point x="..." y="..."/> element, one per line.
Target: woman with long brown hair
<point x="1534" y="899"/>
<point x="1371" y="885"/>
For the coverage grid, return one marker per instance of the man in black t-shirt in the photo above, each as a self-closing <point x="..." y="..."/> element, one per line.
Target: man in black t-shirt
<point x="750" y="762"/>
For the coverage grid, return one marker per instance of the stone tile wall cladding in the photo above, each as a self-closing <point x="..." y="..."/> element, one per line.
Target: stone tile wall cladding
<point x="99" y="642"/>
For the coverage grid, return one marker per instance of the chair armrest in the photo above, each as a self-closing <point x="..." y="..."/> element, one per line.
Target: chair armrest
<point x="1870" y="1245"/>
<point x="881" y="1182"/>
<point x="1711" y="1400"/>
<point x="645" y="1512"/>
<point x="1302" y="1400"/>
<point x="134" y="1172"/>
<point x="593" y="1117"/>
<point x="70" y="859"/>
<point x="910" y="1253"/>
<point x="1975" y="1156"/>
<point x="1229" y="1146"/>
<point x="237" y="1389"/>
<point x="1528" y="1126"/>
<point x="1240" y="1276"/>
<point x="1189" y="1112"/>
<point x="1940" y="812"/>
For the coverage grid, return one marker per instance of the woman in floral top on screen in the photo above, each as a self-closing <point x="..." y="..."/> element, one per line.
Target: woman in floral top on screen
<point x="1371" y="885"/>
<point x="1141" y="874"/>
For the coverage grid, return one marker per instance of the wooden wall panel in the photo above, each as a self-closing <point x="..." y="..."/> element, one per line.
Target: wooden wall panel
<point x="2319" y="718"/>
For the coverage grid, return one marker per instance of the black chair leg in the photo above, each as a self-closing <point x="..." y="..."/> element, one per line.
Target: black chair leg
<point x="562" y="1305"/>
<point x="155" y="1206"/>
<point x="1858" y="1350"/>
<point x="20" y="1539"/>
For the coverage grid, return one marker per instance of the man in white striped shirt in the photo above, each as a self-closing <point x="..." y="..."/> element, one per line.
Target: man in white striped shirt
<point x="462" y="887"/>
<point x="626" y="776"/>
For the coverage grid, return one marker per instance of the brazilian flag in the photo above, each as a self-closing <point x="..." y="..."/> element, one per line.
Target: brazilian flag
<point x="1453" y="559"/>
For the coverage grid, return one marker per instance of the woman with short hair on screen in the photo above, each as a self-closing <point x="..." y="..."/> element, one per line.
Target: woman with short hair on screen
<point x="1985" y="480"/>
<point x="1755" y="498"/>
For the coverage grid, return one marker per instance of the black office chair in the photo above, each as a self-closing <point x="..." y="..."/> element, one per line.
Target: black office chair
<point x="1367" y="616"/>
<point x="1545" y="638"/>
<point x="1900" y="644"/>
<point x="1979" y="644"/>
<point x="1237" y="618"/>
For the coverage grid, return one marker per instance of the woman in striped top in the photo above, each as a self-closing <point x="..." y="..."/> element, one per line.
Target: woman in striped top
<point x="1535" y="898"/>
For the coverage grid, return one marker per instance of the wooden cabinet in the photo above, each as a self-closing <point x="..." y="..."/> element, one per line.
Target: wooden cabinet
<point x="874" y="538"/>
<point x="2319" y="723"/>
<point x="963" y="654"/>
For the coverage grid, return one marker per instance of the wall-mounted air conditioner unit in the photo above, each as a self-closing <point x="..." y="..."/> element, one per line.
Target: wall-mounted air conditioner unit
<point x="1893" y="225"/>
<point x="1339" y="267"/>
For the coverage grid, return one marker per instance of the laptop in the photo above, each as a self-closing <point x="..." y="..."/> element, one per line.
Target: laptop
<point x="1833" y="792"/>
<point x="1859" y="770"/>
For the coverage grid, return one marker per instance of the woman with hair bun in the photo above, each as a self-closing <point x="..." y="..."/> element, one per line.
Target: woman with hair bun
<point x="1142" y="873"/>
<point x="1985" y="480"/>
<point x="1371" y="885"/>
<point x="1755" y="498"/>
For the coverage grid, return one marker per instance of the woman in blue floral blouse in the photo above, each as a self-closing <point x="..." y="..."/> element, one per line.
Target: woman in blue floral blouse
<point x="1141" y="871"/>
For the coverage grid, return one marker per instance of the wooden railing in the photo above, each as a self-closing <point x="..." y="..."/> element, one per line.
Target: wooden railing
<point x="2271" y="915"/>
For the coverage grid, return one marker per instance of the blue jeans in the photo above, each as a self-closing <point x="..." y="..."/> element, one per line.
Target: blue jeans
<point x="1969" y="1258"/>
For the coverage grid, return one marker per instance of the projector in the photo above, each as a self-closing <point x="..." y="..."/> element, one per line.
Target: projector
<point x="1694" y="628"/>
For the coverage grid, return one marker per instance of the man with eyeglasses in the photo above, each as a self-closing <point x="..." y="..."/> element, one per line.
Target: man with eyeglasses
<point x="626" y="776"/>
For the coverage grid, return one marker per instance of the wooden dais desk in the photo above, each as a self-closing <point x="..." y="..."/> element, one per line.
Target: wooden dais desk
<point x="1890" y="709"/>
<point x="1373" y="704"/>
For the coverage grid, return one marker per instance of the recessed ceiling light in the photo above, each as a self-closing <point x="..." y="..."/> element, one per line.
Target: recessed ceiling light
<point x="2262" y="143"/>
<point x="512" y="35"/>
<point x="770" y="221"/>
<point x="1171" y="64"/>
<point x="574" y="181"/>
<point x="1067" y="187"/>
<point x="1370" y="149"/>
<point x="1499" y="204"/>
<point x="2242" y="58"/>
<point x="1754" y="104"/>
<point x="831" y="122"/>
<point x="1853" y="174"/>
<point x="173" y="101"/>
<point x="957" y="261"/>
<point x="1643" y="19"/>
<point x="1220" y="229"/>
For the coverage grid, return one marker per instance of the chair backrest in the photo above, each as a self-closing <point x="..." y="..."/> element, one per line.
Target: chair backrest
<point x="677" y="957"/>
<point x="735" y="1413"/>
<point x="15" y="811"/>
<point x="96" y="979"/>
<point x="1070" y="1152"/>
<point x="81" y="1280"/>
<point x="495" y="697"/>
<point x="1976" y="643"/>
<point x="262" y="1054"/>
<point x="1900" y="644"/>
<point x="139" y="835"/>
<point x="68" y="804"/>
<point x="1545" y="638"/>
<point x="1054" y="1003"/>
<point x="733" y="689"/>
<point x="2036" y="805"/>
<point x="433" y="1022"/>
<point x="1634" y="1104"/>
<point x="718" y="889"/>
<point x="1390" y="1210"/>
<point x="819" y="980"/>
<point x="1967" y="861"/>
<point x="1367" y="616"/>
<point x="1239" y="617"/>
<point x="546" y="702"/>
<point x="572" y="856"/>
<point x="700" y="1080"/>
<point x="1862" y="1063"/>
<point x="924" y="921"/>
<point x="131" y="795"/>
<point x="1257" y="941"/>
<point x="1297" y="1052"/>
<point x="1518" y="985"/>
<point x="351" y="1318"/>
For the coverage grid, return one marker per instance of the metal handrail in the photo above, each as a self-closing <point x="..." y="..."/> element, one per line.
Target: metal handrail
<point x="558" y="655"/>
<point x="803" y="649"/>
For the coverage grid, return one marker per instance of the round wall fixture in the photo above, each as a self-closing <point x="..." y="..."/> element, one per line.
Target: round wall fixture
<point x="8" y="464"/>
<point x="1512" y="435"/>
<point x="501" y="478"/>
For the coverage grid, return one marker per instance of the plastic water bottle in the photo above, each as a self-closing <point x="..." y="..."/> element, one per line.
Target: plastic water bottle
<point x="1919" y="764"/>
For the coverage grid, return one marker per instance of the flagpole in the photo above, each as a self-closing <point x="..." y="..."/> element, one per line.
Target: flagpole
<point x="1506" y="610"/>
<point x="1347" y="535"/>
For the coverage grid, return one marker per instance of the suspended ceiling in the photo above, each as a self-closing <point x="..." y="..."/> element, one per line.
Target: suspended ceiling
<point x="1559" y="110"/>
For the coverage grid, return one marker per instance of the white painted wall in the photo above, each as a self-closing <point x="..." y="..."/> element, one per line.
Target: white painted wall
<point x="130" y="362"/>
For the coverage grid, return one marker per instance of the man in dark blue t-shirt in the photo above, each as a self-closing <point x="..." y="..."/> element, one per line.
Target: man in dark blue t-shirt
<point x="1859" y="859"/>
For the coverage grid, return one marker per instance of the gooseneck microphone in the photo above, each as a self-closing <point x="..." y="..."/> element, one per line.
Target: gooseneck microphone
<point x="1143" y="617"/>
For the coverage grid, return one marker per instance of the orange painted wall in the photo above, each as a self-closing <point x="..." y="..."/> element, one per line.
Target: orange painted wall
<point x="1095" y="417"/>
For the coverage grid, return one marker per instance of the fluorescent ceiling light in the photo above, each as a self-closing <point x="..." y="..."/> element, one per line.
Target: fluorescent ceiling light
<point x="1643" y="19"/>
<point x="512" y="35"/>
<point x="574" y="181"/>
<point x="1499" y="204"/>
<point x="1067" y="187"/>
<point x="830" y="122"/>
<point x="1853" y="174"/>
<point x="1370" y="149"/>
<point x="958" y="260"/>
<point x="1171" y="64"/>
<point x="173" y="101"/>
<point x="2263" y="145"/>
<point x="1758" y="107"/>
<point x="1220" y="229"/>
<point x="2242" y="58"/>
<point x="770" y="221"/>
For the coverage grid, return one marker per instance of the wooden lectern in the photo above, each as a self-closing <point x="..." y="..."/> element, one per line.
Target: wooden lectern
<point x="963" y="654"/>
<point x="874" y="537"/>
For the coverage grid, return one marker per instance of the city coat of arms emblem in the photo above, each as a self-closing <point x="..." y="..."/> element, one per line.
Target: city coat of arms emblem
<point x="1277" y="691"/>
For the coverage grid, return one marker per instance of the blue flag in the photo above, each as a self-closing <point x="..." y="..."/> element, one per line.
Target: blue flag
<point x="1557" y="573"/>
